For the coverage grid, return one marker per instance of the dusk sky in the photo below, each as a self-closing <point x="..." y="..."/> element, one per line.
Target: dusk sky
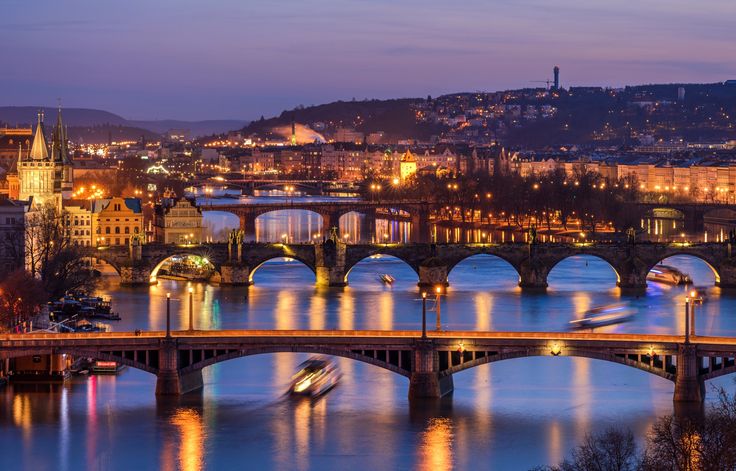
<point x="190" y="59"/>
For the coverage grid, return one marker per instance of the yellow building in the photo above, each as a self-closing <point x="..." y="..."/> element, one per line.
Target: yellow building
<point x="408" y="165"/>
<point x="115" y="220"/>
<point x="177" y="222"/>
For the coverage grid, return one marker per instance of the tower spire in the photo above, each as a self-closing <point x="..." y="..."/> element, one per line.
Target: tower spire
<point x="39" y="151"/>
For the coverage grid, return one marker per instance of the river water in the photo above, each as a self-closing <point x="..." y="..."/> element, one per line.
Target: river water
<point x="514" y="414"/>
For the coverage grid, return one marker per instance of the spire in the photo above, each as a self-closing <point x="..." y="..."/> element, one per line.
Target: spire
<point x="38" y="149"/>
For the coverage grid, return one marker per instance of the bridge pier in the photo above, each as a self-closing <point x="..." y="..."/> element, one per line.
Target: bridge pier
<point x="421" y="230"/>
<point x="433" y="273"/>
<point x="248" y="225"/>
<point x="330" y="263"/>
<point x="169" y="380"/>
<point x="689" y="386"/>
<point x="726" y="275"/>
<point x="330" y="220"/>
<point x="425" y="381"/>
<point x="133" y="275"/>
<point x="532" y="276"/>
<point x="234" y="274"/>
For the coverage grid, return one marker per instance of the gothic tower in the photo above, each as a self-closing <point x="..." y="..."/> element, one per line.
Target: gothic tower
<point x="63" y="179"/>
<point x="37" y="173"/>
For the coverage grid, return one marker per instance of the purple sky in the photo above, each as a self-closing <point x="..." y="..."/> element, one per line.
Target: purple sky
<point x="195" y="59"/>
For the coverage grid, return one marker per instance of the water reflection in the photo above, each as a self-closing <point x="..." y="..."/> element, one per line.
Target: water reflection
<point x="435" y="446"/>
<point x="192" y="436"/>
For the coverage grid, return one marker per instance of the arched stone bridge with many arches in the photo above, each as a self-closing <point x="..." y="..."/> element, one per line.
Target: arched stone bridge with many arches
<point x="415" y="211"/>
<point x="428" y="362"/>
<point x="332" y="261"/>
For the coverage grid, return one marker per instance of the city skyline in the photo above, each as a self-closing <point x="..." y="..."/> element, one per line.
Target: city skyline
<point x="189" y="61"/>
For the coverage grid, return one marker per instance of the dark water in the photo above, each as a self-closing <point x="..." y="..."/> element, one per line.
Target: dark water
<point x="514" y="414"/>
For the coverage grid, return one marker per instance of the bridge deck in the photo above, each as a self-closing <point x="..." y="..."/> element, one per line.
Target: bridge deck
<point x="367" y="334"/>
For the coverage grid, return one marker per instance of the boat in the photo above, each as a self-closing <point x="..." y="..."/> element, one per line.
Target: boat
<point x="668" y="275"/>
<point x="82" y="306"/>
<point x="315" y="377"/>
<point x="604" y="315"/>
<point x="100" y="367"/>
<point x="386" y="278"/>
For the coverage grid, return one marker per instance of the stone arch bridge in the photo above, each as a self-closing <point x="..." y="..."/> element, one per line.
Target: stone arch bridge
<point x="177" y="359"/>
<point x="332" y="261"/>
<point x="331" y="212"/>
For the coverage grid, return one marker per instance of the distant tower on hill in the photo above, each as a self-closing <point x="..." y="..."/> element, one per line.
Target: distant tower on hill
<point x="293" y="132"/>
<point x="556" y="71"/>
<point x="681" y="94"/>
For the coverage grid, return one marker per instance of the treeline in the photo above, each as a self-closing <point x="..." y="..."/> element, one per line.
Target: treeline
<point x="674" y="444"/>
<point x="544" y="200"/>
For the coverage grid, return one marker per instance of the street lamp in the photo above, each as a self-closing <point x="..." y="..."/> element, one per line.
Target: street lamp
<point x="168" y="315"/>
<point x="690" y="302"/>
<point x="191" y="309"/>
<point x="424" y="315"/>
<point x="438" y="292"/>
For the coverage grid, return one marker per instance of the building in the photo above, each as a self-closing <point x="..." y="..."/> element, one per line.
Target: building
<point x="45" y="176"/>
<point x="12" y="235"/>
<point x="177" y="221"/>
<point x="408" y="165"/>
<point x="13" y="140"/>
<point x="78" y="222"/>
<point x="115" y="220"/>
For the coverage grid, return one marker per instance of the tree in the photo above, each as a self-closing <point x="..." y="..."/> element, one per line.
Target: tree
<point x="20" y="296"/>
<point x="611" y="450"/>
<point x="50" y="255"/>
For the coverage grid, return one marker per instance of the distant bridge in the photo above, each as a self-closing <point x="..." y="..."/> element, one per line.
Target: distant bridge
<point x="429" y="363"/>
<point x="332" y="261"/>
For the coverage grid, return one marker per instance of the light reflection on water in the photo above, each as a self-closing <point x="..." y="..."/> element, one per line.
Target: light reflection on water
<point x="514" y="414"/>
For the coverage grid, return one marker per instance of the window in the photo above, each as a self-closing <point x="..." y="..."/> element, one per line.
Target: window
<point x="127" y="230"/>
<point x="117" y="241"/>
<point x="126" y="241"/>
<point x="135" y="230"/>
<point x="107" y="230"/>
<point x="116" y="207"/>
<point x="117" y="229"/>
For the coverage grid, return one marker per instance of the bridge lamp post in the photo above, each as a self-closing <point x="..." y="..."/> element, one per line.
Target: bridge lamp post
<point x="168" y="315"/>
<point x="191" y="309"/>
<point x="695" y="299"/>
<point x="438" y="292"/>
<point x="424" y="314"/>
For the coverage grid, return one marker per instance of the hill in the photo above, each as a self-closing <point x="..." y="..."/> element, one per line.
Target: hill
<point x="84" y="118"/>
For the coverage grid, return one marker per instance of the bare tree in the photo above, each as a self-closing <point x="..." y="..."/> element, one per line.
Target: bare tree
<point x="20" y="297"/>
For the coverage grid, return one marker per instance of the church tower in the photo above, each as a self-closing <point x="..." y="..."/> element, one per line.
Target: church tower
<point x="37" y="172"/>
<point x="63" y="182"/>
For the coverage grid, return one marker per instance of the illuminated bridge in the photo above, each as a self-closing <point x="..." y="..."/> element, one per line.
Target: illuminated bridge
<point x="332" y="261"/>
<point x="429" y="363"/>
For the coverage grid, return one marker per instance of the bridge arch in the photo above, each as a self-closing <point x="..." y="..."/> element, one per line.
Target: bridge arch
<point x="610" y="263"/>
<point x="203" y="254"/>
<point x="399" y="364"/>
<point x="709" y="262"/>
<point x="481" y="256"/>
<point x="622" y="359"/>
<point x="260" y="262"/>
<point x="387" y="253"/>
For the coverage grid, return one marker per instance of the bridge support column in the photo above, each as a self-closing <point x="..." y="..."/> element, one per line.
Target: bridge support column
<point x="368" y="228"/>
<point x="726" y="275"/>
<point x="248" y="225"/>
<point x="532" y="276"/>
<point x="132" y="275"/>
<point x="689" y="387"/>
<point x="234" y="274"/>
<point x="330" y="263"/>
<point x="432" y="274"/>
<point x="425" y="381"/>
<point x="632" y="276"/>
<point x="421" y="231"/>
<point x="170" y="381"/>
<point x="330" y="220"/>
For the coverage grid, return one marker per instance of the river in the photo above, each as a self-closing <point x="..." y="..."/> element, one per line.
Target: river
<point x="514" y="414"/>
